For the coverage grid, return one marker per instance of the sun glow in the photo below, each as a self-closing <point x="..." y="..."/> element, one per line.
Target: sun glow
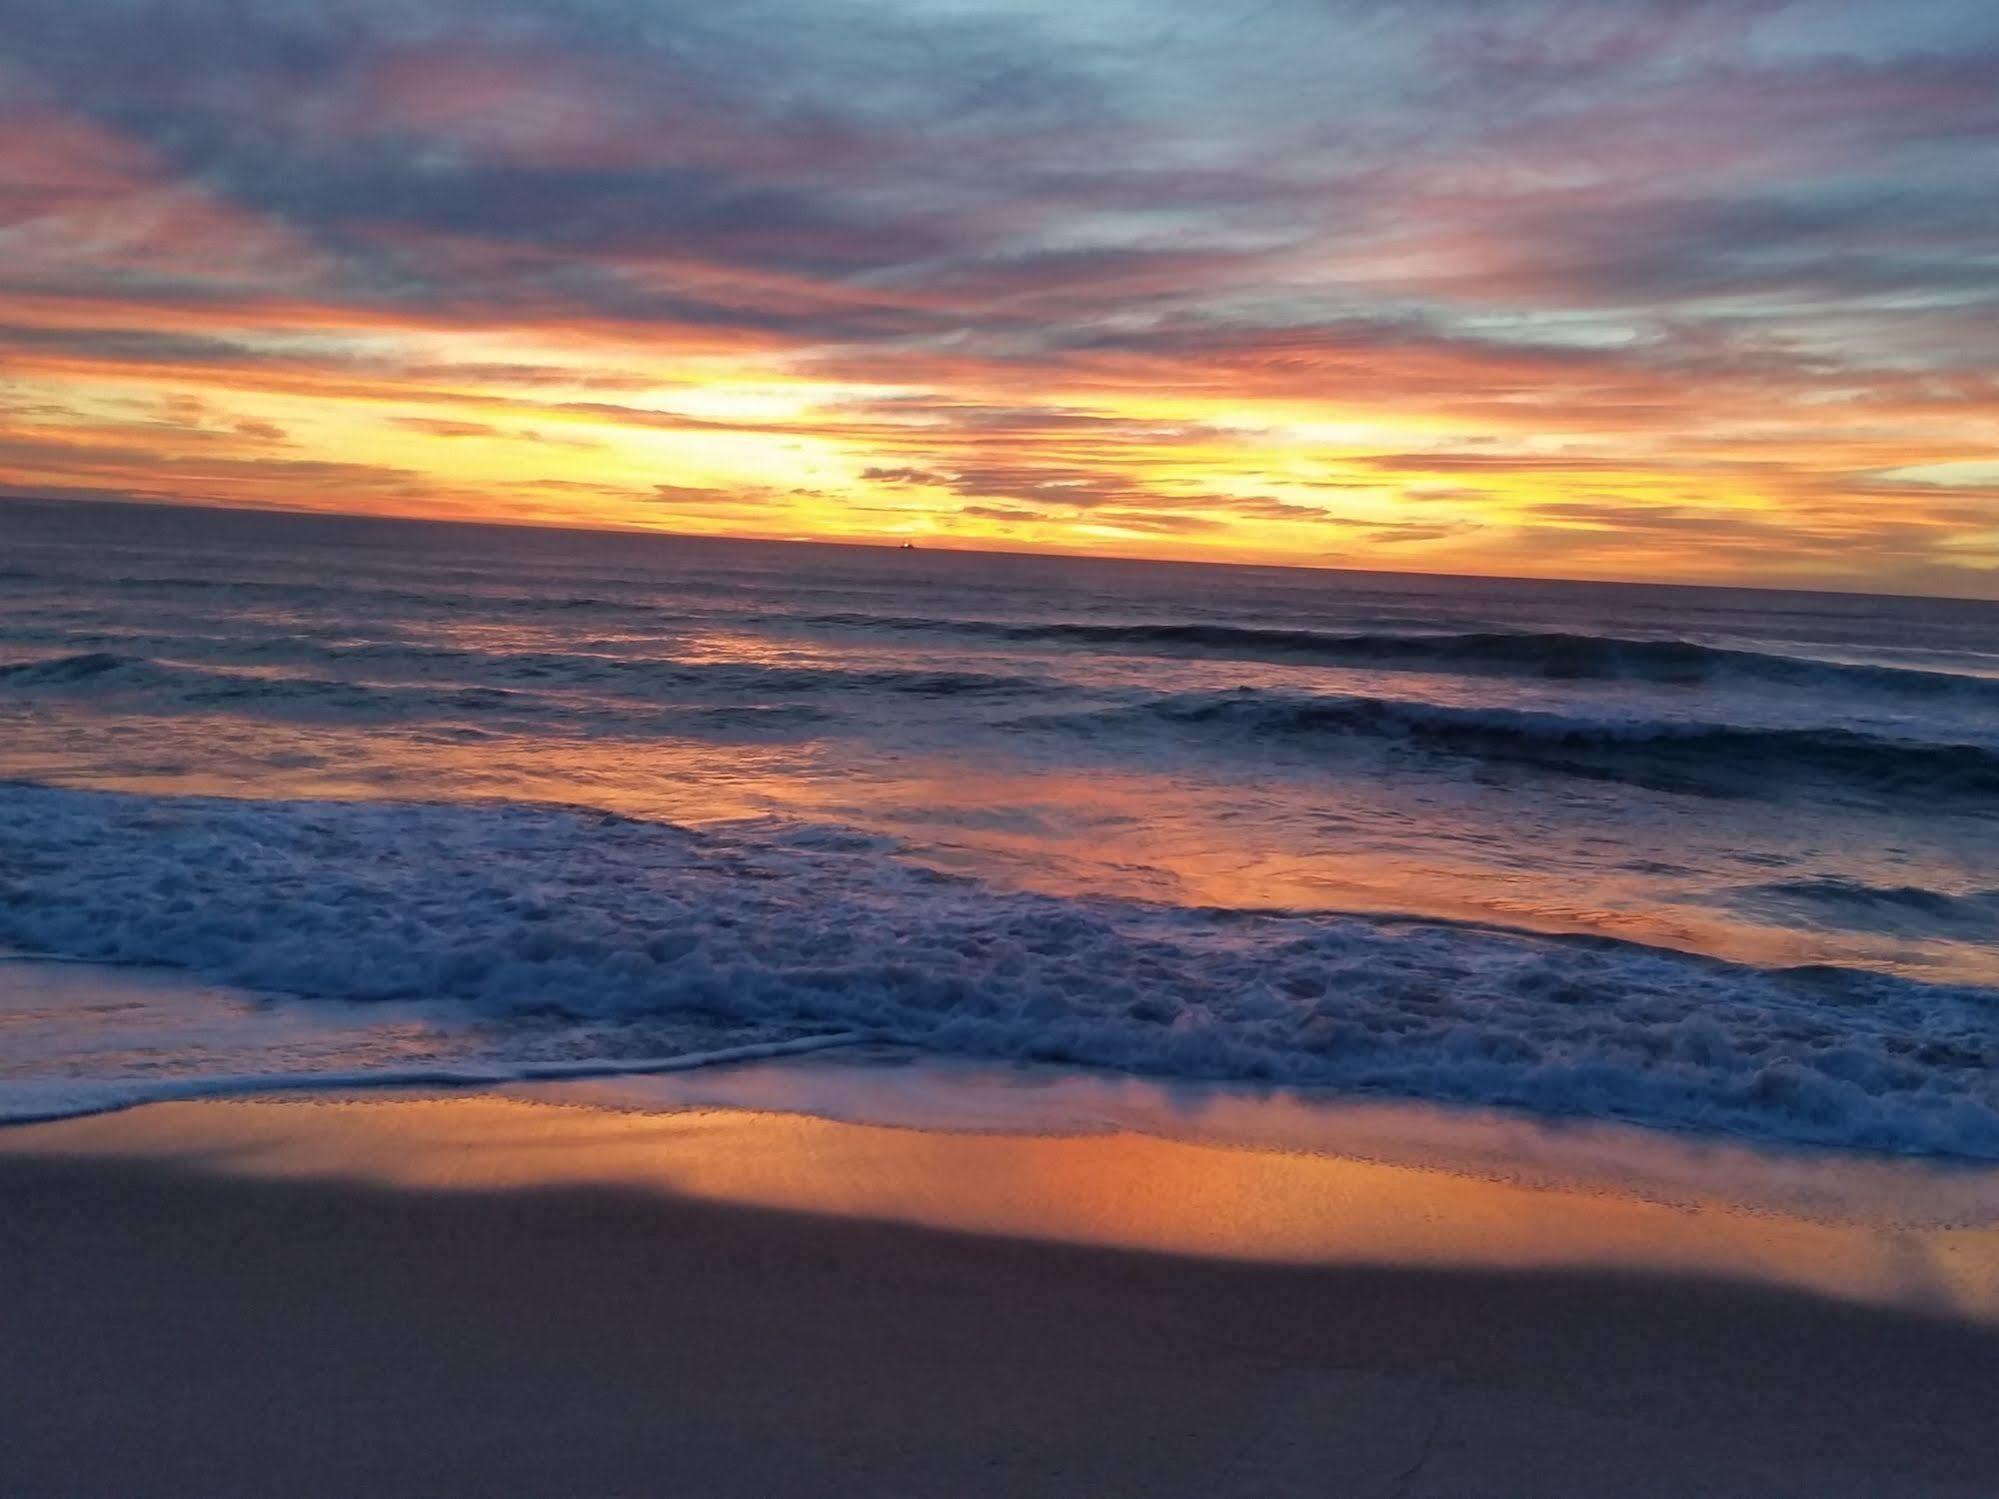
<point x="568" y="296"/>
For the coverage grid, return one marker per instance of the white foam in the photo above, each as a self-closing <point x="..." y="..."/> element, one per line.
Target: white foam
<point x="82" y="1037"/>
<point x="553" y="921"/>
<point x="30" y="1100"/>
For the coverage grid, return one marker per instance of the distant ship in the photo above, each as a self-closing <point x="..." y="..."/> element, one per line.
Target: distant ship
<point x="907" y="546"/>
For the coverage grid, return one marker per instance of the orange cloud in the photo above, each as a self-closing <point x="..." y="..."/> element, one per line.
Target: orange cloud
<point x="1581" y="293"/>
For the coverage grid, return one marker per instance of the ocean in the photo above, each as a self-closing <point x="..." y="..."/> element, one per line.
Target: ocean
<point x="362" y="801"/>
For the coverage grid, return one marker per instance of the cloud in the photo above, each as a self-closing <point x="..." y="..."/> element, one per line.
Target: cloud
<point x="432" y="426"/>
<point x="1449" y="462"/>
<point x="1163" y="523"/>
<point x="876" y="474"/>
<point x="1007" y="513"/>
<point x="1727" y="264"/>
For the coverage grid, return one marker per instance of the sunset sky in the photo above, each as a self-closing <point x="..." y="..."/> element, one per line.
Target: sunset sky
<point x="1659" y="289"/>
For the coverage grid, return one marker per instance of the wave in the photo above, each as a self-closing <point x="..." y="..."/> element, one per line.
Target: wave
<point x="301" y="592"/>
<point x="1718" y="754"/>
<point x="644" y="675"/>
<point x="721" y="698"/>
<point x="35" y="1100"/>
<point x="62" y="671"/>
<point x="1551" y="654"/>
<point x="541" y="916"/>
<point x="652" y="695"/>
<point x="555" y="669"/>
<point x="165" y="686"/>
<point x="1854" y="905"/>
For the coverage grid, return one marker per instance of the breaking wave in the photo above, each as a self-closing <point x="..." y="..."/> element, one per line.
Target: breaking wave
<point x="1550" y="654"/>
<point x="1854" y="905"/>
<point x="402" y="681"/>
<point x="644" y="694"/>
<point x="1717" y="753"/>
<point x="526" y="912"/>
<point x="62" y="671"/>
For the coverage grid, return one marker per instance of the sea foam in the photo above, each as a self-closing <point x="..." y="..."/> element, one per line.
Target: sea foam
<point x="529" y="913"/>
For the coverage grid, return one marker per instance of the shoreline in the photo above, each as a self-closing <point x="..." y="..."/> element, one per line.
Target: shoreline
<point x="544" y="1292"/>
<point x="170" y="1000"/>
<point x="1060" y="1154"/>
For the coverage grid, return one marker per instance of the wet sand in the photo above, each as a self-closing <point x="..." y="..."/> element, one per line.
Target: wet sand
<point x="506" y="1296"/>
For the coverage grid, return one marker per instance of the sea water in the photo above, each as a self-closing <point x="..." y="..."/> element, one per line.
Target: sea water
<point x="424" y="800"/>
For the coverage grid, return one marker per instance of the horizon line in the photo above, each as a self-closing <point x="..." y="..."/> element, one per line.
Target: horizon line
<point x="898" y="544"/>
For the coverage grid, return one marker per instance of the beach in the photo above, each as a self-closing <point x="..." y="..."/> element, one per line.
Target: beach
<point x="999" y="749"/>
<point x="491" y="1012"/>
<point x="554" y="1292"/>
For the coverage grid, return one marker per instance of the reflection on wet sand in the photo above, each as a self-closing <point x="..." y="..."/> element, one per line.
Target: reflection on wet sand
<point x="1466" y="1196"/>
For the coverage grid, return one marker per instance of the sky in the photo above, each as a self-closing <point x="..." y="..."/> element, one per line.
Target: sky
<point x="1674" y="290"/>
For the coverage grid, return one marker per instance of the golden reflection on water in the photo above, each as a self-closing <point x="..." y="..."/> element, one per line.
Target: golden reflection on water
<point x="1130" y="831"/>
<point x="1119" y="1188"/>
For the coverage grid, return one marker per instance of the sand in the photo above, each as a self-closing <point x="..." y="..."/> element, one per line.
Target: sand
<point x="541" y="1296"/>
